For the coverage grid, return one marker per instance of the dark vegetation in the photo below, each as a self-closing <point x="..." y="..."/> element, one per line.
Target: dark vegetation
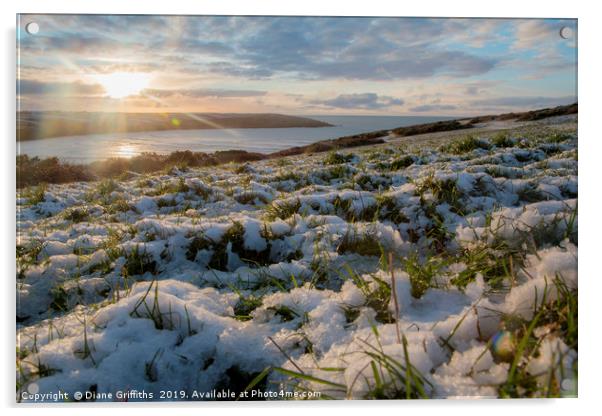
<point x="363" y="139"/>
<point x="376" y="137"/>
<point x="438" y="126"/>
<point x="33" y="170"/>
<point x="233" y="241"/>
<point x="529" y="115"/>
<point x="467" y="123"/>
<point x="464" y="145"/>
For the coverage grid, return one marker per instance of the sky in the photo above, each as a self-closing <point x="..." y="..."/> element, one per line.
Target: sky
<point x="295" y="65"/>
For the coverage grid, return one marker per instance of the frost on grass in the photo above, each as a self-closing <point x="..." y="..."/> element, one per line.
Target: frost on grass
<point x="441" y="271"/>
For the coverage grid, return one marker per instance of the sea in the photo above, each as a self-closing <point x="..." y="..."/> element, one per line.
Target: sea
<point x="93" y="147"/>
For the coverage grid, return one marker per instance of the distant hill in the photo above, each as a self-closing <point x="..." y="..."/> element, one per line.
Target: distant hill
<point x="561" y="110"/>
<point x="34" y="125"/>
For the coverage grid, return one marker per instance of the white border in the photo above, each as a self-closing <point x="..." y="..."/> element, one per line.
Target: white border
<point x="590" y="151"/>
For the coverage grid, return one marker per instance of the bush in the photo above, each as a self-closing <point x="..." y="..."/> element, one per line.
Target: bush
<point x="33" y="171"/>
<point x="236" y="156"/>
<point x="435" y="127"/>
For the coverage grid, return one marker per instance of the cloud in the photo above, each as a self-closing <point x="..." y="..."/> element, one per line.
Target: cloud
<point x="524" y="101"/>
<point x="238" y="70"/>
<point x="261" y="47"/>
<point x="475" y="88"/>
<point x="263" y="56"/>
<point x="77" y="88"/>
<point x="85" y="32"/>
<point x="357" y="48"/>
<point x="205" y="47"/>
<point x="81" y="44"/>
<point x="366" y="101"/>
<point x="538" y="33"/>
<point x="433" y="107"/>
<point x="476" y="33"/>
<point x="472" y="90"/>
<point x="199" y="92"/>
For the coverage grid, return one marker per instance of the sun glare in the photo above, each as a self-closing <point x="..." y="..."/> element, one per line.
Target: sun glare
<point x="123" y="84"/>
<point x="126" y="151"/>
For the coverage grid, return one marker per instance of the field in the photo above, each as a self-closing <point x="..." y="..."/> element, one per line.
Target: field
<point x="419" y="268"/>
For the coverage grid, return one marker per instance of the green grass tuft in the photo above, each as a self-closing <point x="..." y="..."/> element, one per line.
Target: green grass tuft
<point x="464" y="145"/>
<point x="334" y="158"/>
<point x="77" y="214"/>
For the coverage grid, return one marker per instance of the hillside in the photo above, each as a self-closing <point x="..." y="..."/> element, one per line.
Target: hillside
<point x="443" y="266"/>
<point x="32" y="125"/>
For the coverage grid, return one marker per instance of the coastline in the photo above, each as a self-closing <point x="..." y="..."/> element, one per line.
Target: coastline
<point x="32" y="171"/>
<point x="59" y="124"/>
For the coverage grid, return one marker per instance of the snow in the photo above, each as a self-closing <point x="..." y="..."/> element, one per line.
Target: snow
<point x="127" y="301"/>
<point x="547" y="265"/>
<point x="253" y="239"/>
<point x="554" y="353"/>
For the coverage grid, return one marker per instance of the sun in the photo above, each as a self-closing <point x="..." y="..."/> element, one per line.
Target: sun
<point x="123" y="84"/>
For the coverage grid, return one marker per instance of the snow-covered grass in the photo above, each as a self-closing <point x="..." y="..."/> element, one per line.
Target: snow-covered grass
<point x="392" y="271"/>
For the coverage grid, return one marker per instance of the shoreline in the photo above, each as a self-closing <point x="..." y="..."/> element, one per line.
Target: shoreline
<point x="33" y="170"/>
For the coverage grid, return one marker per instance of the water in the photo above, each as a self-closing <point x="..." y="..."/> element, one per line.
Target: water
<point x="85" y="149"/>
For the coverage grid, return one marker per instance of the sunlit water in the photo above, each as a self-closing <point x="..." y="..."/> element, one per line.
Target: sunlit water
<point x="84" y="149"/>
